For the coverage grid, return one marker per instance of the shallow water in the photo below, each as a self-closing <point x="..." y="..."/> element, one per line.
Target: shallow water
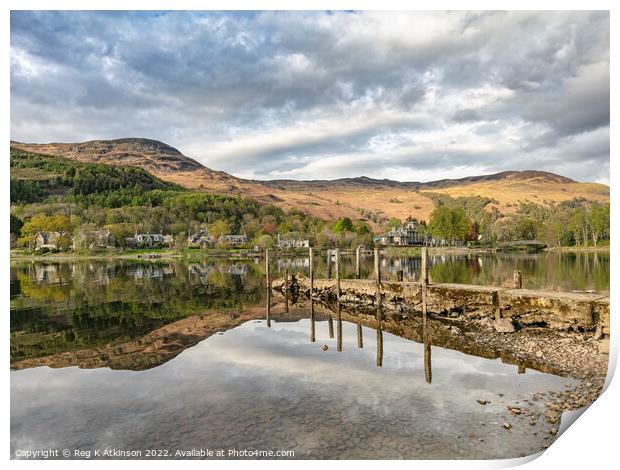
<point x="255" y="387"/>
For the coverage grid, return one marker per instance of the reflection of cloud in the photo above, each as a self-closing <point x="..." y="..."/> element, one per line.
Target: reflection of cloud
<point x="252" y="375"/>
<point x="416" y="95"/>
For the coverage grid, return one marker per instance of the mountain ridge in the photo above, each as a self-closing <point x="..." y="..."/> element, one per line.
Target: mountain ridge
<point x="360" y="197"/>
<point x="103" y="150"/>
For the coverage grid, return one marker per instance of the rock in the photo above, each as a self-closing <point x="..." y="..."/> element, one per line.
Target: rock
<point x="324" y="347"/>
<point x="506" y="425"/>
<point x="603" y="347"/>
<point x="539" y="353"/>
<point x="455" y="330"/>
<point x="514" y="410"/>
<point x="504" y="325"/>
<point x="483" y="402"/>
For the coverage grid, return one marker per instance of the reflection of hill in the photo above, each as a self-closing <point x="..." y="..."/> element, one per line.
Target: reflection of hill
<point x="151" y="350"/>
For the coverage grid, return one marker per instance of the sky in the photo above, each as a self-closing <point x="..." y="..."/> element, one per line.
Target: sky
<point x="409" y="96"/>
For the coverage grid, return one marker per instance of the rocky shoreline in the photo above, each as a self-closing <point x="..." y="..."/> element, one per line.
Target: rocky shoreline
<point x="548" y="346"/>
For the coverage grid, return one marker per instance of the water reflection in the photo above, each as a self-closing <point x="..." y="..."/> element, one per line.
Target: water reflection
<point x="259" y="387"/>
<point x="68" y="306"/>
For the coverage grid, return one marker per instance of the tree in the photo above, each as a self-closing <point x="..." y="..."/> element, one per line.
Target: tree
<point x="393" y="223"/>
<point x="46" y="223"/>
<point x="264" y="242"/>
<point x="344" y="224"/>
<point x="598" y="221"/>
<point x="556" y="231"/>
<point x="16" y="225"/>
<point x="578" y="226"/>
<point x="219" y="228"/>
<point x="449" y="224"/>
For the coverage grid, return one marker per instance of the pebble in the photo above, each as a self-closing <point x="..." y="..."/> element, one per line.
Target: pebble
<point x="324" y="347"/>
<point x="483" y="402"/>
<point x="507" y="425"/>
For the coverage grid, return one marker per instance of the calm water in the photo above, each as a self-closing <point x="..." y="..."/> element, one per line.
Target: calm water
<point x="118" y="336"/>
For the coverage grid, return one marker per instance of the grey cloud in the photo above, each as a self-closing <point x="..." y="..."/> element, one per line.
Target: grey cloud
<point x="201" y="80"/>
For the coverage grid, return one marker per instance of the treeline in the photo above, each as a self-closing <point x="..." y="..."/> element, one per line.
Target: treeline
<point x="577" y="222"/>
<point x="56" y="194"/>
<point x="45" y="178"/>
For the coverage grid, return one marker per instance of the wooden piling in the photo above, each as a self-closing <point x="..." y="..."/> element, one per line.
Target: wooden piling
<point x="379" y="311"/>
<point x="338" y="328"/>
<point x="330" y="326"/>
<point x="424" y="282"/>
<point x="358" y="271"/>
<point x="312" y="322"/>
<point x="360" y="339"/>
<point x="268" y="313"/>
<point x="338" y="274"/>
<point x="311" y="268"/>
<point x="329" y="263"/>
<point x="286" y="290"/>
<point x="428" y="370"/>
<point x="267" y="269"/>
<point x="517" y="280"/>
<point x="377" y="269"/>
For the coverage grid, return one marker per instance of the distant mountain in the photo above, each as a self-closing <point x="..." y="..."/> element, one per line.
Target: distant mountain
<point x="360" y="197"/>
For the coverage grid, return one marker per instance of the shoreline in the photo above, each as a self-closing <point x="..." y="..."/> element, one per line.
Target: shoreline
<point x="166" y="254"/>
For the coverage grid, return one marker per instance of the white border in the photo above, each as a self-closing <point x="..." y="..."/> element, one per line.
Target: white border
<point x="590" y="443"/>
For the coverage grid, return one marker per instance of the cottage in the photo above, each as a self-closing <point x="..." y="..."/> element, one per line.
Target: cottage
<point x="47" y="240"/>
<point x="147" y="240"/>
<point x="292" y="242"/>
<point x="200" y="240"/>
<point x="233" y="240"/>
<point x="92" y="239"/>
<point x="405" y="235"/>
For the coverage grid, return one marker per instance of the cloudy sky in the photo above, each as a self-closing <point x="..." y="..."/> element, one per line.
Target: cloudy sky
<point x="306" y="95"/>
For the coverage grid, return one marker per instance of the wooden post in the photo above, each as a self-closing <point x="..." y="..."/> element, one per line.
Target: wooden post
<point x="268" y="288"/>
<point x="379" y="336"/>
<point x="311" y="267"/>
<point x="518" y="281"/>
<point x="338" y="274"/>
<point x="268" y="308"/>
<point x="330" y="325"/>
<point x="360" y="339"/>
<point x="424" y="282"/>
<point x="428" y="371"/>
<point x="379" y="312"/>
<point x="312" y="324"/>
<point x="286" y="289"/>
<point x="329" y="263"/>
<point x="377" y="269"/>
<point x="338" y="328"/>
<point x="358" y="272"/>
<point x="267" y="269"/>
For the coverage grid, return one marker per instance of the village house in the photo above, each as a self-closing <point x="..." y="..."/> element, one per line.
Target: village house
<point x="47" y="240"/>
<point x="200" y="240"/>
<point x="406" y="235"/>
<point x="92" y="239"/>
<point x="233" y="240"/>
<point x="146" y="240"/>
<point x="292" y="242"/>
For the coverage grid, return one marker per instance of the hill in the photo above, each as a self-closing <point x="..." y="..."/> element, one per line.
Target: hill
<point x="358" y="198"/>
